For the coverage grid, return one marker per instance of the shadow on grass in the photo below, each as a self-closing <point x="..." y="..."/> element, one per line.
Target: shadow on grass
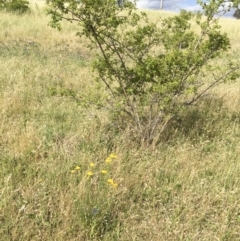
<point x="207" y="120"/>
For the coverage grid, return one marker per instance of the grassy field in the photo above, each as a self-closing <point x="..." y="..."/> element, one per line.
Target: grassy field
<point x="66" y="174"/>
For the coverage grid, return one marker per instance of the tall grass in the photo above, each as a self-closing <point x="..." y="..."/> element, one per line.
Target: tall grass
<point x="53" y="120"/>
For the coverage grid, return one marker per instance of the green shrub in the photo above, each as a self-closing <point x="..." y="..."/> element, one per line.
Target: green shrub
<point x="237" y="14"/>
<point x="153" y="71"/>
<point x="20" y="6"/>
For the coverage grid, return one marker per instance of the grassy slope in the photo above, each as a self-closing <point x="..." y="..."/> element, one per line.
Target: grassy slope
<point x="185" y="189"/>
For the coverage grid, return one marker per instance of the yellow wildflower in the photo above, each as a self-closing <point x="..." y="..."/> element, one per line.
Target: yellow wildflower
<point x="92" y="164"/>
<point x="72" y="171"/>
<point x="89" y="173"/>
<point x="112" y="155"/>
<point x="77" y="168"/>
<point x="104" y="171"/>
<point x="109" y="159"/>
<point x="110" y="181"/>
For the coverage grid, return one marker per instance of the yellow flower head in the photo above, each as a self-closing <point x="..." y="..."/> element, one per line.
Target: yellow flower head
<point x="108" y="160"/>
<point x="104" y="171"/>
<point x="73" y="171"/>
<point x="110" y="181"/>
<point x="92" y="164"/>
<point x="77" y="168"/>
<point x="113" y="156"/>
<point x="89" y="173"/>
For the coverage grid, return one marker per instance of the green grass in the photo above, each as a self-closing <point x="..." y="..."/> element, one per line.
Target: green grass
<point x="185" y="188"/>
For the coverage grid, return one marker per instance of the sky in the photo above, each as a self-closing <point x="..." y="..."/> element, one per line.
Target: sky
<point x="172" y="5"/>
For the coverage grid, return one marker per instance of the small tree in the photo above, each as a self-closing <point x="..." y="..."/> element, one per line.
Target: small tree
<point x="237" y="14"/>
<point x="20" y="6"/>
<point x="153" y="71"/>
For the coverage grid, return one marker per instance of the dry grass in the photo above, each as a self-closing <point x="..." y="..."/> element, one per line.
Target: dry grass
<point x="186" y="188"/>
